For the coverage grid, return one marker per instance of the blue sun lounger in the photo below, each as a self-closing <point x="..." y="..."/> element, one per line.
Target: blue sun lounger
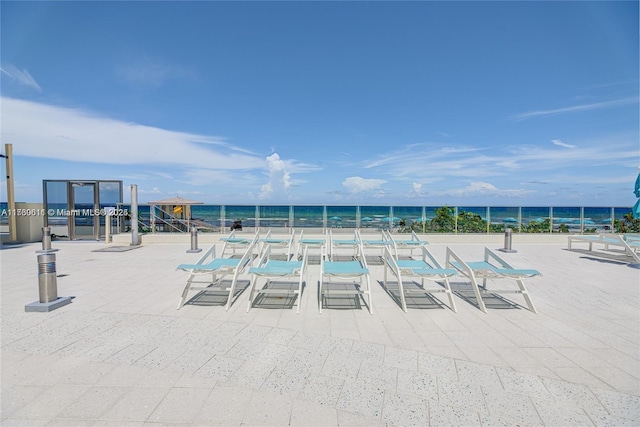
<point x="277" y="270"/>
<point x="355" y="270"/>
<point x="214" y="269"/>
<point x="495" y="268"/>
<point x="425" y="268"/>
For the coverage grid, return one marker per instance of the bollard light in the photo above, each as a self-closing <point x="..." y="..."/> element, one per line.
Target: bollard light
<point x="194" y="241"/>
<point x="47" y="286"/>
<point x="508" y="235"/>
<point x="46" y="241"/>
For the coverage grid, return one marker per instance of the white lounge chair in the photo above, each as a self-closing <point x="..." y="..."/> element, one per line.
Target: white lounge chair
<point x="425" y="268"/>
<point x="214" y="269"/>
<point x="368" y="242"/>
<point x="629" y="243"/>
<point x="413" y="243"/>
<point x="283" y="243"/>
<point x="304" y="243"/>
<point x="233" y="242"/>
<point x="279" y="270"/>
<point x="347" y="270"/>
<point x="495" y="268"/>
<point x="334" y="245"/>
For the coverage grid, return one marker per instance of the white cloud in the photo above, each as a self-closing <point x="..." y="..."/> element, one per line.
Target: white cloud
<point x="480" y="188"/>
<point x="279" y="179"/>
<point x="46" y="131"/>
<point x="576" y="108"/>
<point x="417" y="187"/>
<point x="562" y="144"/>
<point x="23" y="77"/>
<point x="356" y="184"/>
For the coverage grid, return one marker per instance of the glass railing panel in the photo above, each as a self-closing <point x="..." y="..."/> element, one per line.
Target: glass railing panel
<point x="502" y="217"/>
<point x="341" y="216"/>
<point x="410" y="218"/>
<point x="566" y="219"/>
<point x="472" y="219"/>
<point x="210" y="214"/>
<point x="245" y="214"/>
<point x="374" y="217"/>
<point x="308" y="216"/>
<point x="536" y="219"/>
<point x="274" y="216"/>
<point x="596" y="219"/>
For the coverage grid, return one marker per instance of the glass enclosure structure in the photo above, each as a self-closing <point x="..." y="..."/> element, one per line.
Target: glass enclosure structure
<point x="463" y="219"/>
<point x="76" y="209"/>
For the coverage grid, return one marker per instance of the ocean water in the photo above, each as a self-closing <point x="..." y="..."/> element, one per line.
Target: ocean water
<point x="342" y="216"/>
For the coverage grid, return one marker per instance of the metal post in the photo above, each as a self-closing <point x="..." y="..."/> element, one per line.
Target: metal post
<point x="194" y="241"/>
<point x="11" y="200"/>
<point x="46" y="241"/>
<point x="107" y="229"/>
<point x="47" y="286"/>
<point x="47" y="282"/>
<point x="135" y="240"/>
<point x="507" y="241"/>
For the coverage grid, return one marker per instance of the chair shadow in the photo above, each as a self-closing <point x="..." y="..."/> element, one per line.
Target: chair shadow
<point x="464" y="291"/>
<point x="279" y="302"/>
<point x="341" y="301"/>
<point x="610" y="257"/>
<point x="418" y="300"/>
<point x="215" y="295"/>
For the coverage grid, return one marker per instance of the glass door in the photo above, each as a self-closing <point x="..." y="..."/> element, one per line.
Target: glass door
<point x="84" y="219"/>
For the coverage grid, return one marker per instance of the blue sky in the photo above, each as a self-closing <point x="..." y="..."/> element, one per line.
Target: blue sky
<point x="402" y="103"/>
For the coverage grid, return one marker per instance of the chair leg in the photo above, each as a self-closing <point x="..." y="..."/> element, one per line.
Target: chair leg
<point x="251" y="291"/>
<point x="452" y="303"/>
<point x="320" y="294"/>
<point x="402" y="297"/>
<point x="299" y="295"/>
<point x="527" y="297"/>
<point x="185" y="292"/>
<point x="476" y="290"/>
<point x="369" y="292"/>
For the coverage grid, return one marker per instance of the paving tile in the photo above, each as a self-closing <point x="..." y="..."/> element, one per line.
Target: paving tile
<point x="179" y="405"/>
<point x="136" y="404"/>
<point x="524" y="384"/>
<point x="619" y="404"/>
<point x="364" y="397"/>
<point x="400" y="358"/>
<point x="442" y="414"/>
<point x="322" y="389"/>
<point x="52" y="402"/>
<point x="341" y="367"/>
<point x="305" y="413"/>
<point x="403" y="409"/>
<point x="225" y="406"/>
<point x="560" y="414"/>
<point x="511" y="406"/>
<point x="350" y="419"/>
<point x="18" y="396"/>
<point x="417" y="383"/>
<point x="286" y="380"/>
<point x="219" y="367"/>
<point x="485" y="375"/>
<point x="464" y="395"/>
<point x="250" y="374"/>
<point x="268" y="409"/>
<point x="440" y="366"/>
<point x="386" y="374"/>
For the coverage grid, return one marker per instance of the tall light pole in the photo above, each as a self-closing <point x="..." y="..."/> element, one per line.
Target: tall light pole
<point x="11" y="198"/>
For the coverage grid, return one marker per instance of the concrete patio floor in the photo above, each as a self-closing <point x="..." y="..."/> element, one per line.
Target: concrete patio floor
<point x="121" y="354"/>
